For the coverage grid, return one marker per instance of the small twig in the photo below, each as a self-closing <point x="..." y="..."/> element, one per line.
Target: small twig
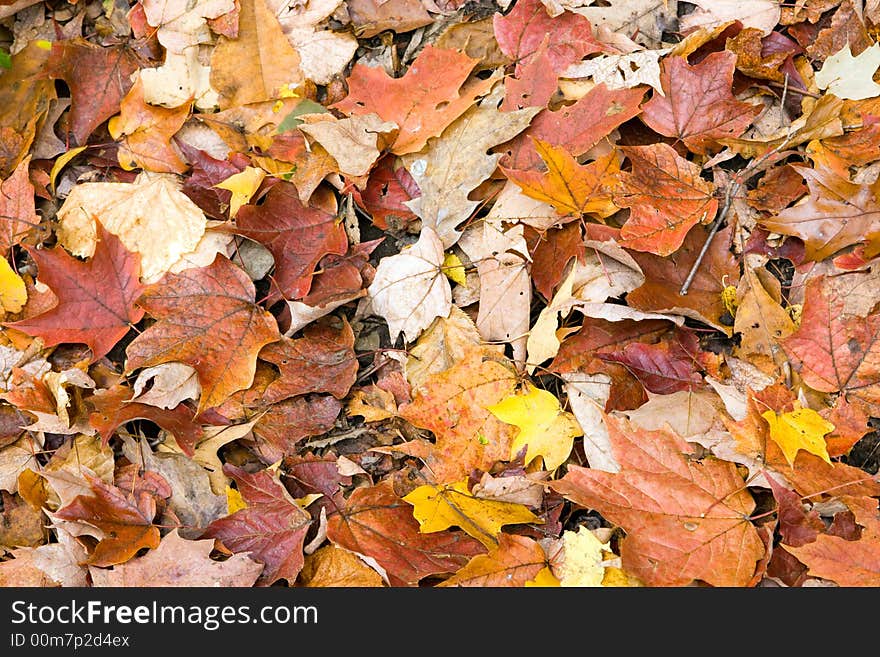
<point x="716" y="225"/>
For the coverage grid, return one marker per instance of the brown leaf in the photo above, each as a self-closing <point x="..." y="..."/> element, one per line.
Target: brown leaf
<point x="179" y="562"/>
<point x="18" y="217"/>
<point x="271" y="528"/>
<point x="207" y="319"/>
<point x="332" y="566"/>
<point x="124" y="523"/>
<point x="379" y="525"/>
<point x="513" y="562"/>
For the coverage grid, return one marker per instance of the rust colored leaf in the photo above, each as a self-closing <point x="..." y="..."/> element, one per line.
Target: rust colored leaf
<point x="797" y="525"/>
<point x="576" y="128"/>
<point x="521" y="31"/>
<point x="378" y="524"/>
<point x="309" y="474"/>
<point x="98" y="77"/>
<point x="207" y="319"/>
<point x="145" y="133"/>
<point x="96" y="298"/>
<point x="112" y="408"/>
<point x="18" y="215"/>
<point x="833" y="349"/>
<point x="838" y="214"/>
<point x="271" y="529"/>
<point x="663" y="368"/>
<point x="125" y="523"/>
<point x="206" y="171"/>
<point x="686" y="519"/>
<point x="698" y="107"/>
<point x="777" y="189"/>
<point x="287" y="422"/>
<point x="664" y="278"/>
<point x="297" y="235"/>
<point x="513" y="562"/>
<point x="666" y="197"/>
<point x="420" y="102"/>
<point x="453" y="404"/>
<point x="552" y="253"/>
<point x="323" y="360"/>
<point x="847" y="562"/>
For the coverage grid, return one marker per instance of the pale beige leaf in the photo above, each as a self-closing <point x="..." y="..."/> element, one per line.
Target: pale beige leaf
<point x="355" y="143"/>
<point x="15" y="459"/>
<point x="512" y="205"/>
<point x="151" y="216"/>
<point x="409" y="290"/>
<point x="182" y="78"/>
<point x="760" y="14"/>
<point x="56" y="564"/>
<point x="183" y="23"/>
<point x="587" y="395"/>
<point x="850" y="77"/>
<point x="619" y="71"/>
<point x="170" y="384"/>
<point x="324" y="54"/>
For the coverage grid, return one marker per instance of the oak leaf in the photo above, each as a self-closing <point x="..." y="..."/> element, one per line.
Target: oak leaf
<point x="96" y="299"/>
<point x="453" y="505"/>
<point x="124" y="523"/>
<point x="271" y="529"/>
<point x="207" y="319"/>
<point x="179" y="562"/>
<point x="420" y="106"/>
<point x="513" y="562"/>
<point x="666" y="197"/>
<point x="379" y="525"/>
<point x="685" y="519"/>
<point x="698" y="106"/>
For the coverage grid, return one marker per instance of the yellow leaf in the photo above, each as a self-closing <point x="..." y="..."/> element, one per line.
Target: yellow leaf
<point x="441" y="507"/>
<point x="13" y="293"/>
<point x="545" y="578"/>
<point x="802" y="428"/>
<point x="243" y="186"/>
<point x="305" y="500"/>
<point x="234" y="501"/>
<point x="617" y="577"/>
<point x="582" y="561"/>
<point x="454" y="269"/>
<point x="61" y="162"/>
<point x="548" y="431"/>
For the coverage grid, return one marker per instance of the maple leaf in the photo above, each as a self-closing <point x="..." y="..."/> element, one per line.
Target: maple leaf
<point x="850" y="77"/>
<point x="802" y="428"/>
<point x="125" y="524"/>
<point x="387" y="190"/>
<point x="835" y="350"/>
<point x="663" y="368"/>
<point x="577" y="127"/>
<point x="18" y="215"/>
<point x="409" y="290"/>
<point x="96" y="299"/>
<point x="566" y="185"/>
<point x="259" y="64"/>
<point x="666" y="196"/>
<point x="837" y="214"/>
<point x="847" y="562"/>
<point x="453" y="505"/>
<point x="331" y="566"/>
<point x="521" y="31"/>
<point x="453" y="404"/>
<point x="419" y="106"/>
<point x="271" y="529"/>
<point x="544" y="428"/>
<point x="207" y="319"/>
<point x="455" y="163"/>
<point x="179" y="562"/>
<point x="698" y="106"/>
<point x="379" y="525"/>
<point x="685" y="520"/>
<point x="182" y="24"/>
<point x="513" y="562"/>
<point x="297" y="235"/>
<point x="145" y="132"/>
<point x="98" y="78"/>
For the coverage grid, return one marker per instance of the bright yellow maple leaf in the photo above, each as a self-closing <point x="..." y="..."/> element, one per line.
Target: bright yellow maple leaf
<point x="441" y="507"/>
<point x="13" y="293"/>
<point x="548" y="431"/>
<point x="243" y="186"/>
<point x="802" y="428"/>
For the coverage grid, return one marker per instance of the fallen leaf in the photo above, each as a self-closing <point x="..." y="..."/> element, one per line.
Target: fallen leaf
<point x="378" y="525"/>
<point x="762" y="15"/>
<point x="415" y="102"/>
<point x="96" y="299"/>
<point x="850" y="77"/>
<point x="242" y="186"/>
<point x="179" y="562"/>
<point x="705" y="533"/>
<point x="453" y="505"/>
<point x="544" y="428"/>
<point x="271" y="530"/>
<point x="355" y="143"/>
<point x="802" y="428"/>
<point x="513" y="562"/>
<point x="193" y="309"/>
<point x="332" y="566"/>
<point x="182" y="24"/>
<point x="17" y="208"/>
